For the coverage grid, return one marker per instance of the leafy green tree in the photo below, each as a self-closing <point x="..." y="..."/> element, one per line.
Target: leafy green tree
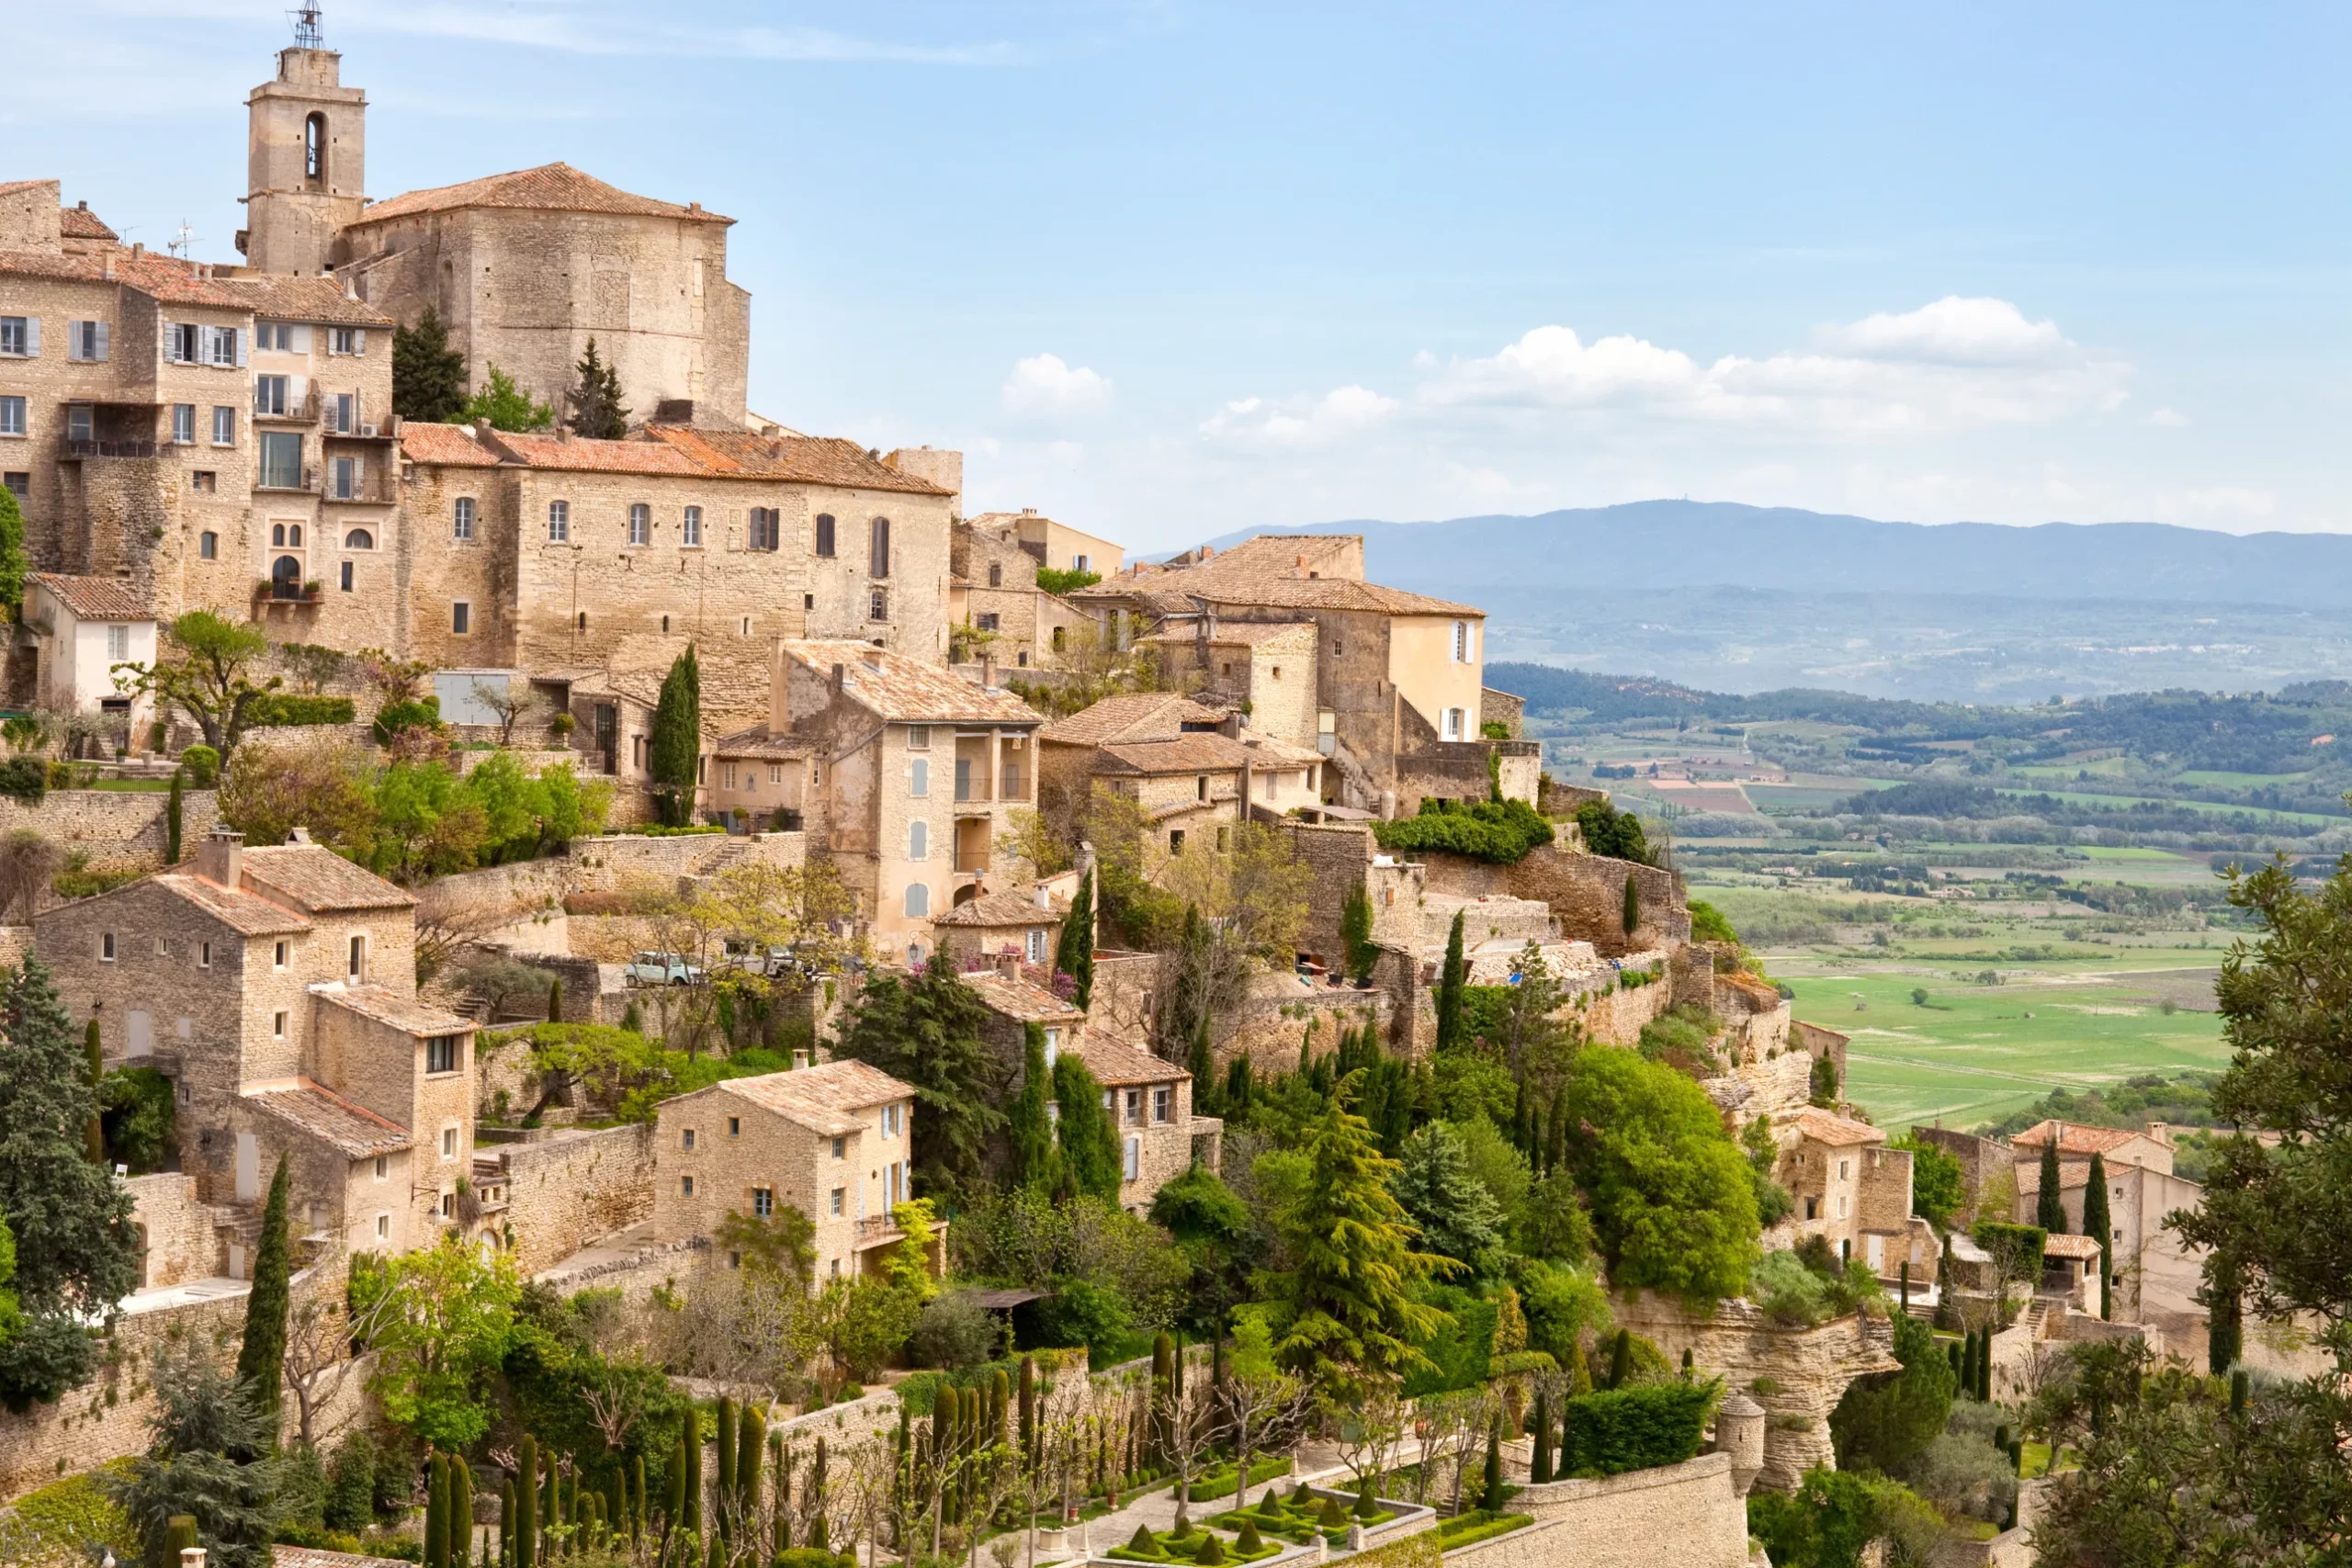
<point x="206" y="673"/>
<point x="260" y="1355"/>
<point x="506" y="406"/>
<point x="1673" y="1203"/>
<point x="1456" y="1214"/>
<point x="925" y="1031"/>
<point x="1611" y="832"/>
<point x="1218" y="1236"/>
<point x="2049" y="1203"/>
<point x="1347" y="1304"/>
<point x="446" y="1326"/>
<point x="209" y="1458"/>
<point x="1825" y="1085"/>
<point x="1885" y="1421"/>
<point x="1032" y="1135"/>
<point x="597" y="412"/>
<point x="1936" y="1190"/>
<point x="425" y="824"/>
<point x="428" y="375"/>
<point x="1089" y="1142"/>
<point x="674" y="754"/>
<point x="1074" y="950"/>
<point x="1449" y="989"/>
<point x="76" y="1253"/>
<point x="1835" y="1517"/>
<point x="14" y="566"/>
<point x="1355" y="934"/>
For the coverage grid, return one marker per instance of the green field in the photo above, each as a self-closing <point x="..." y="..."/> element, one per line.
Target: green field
<point x="1974" y="1054"/>
<point x="2119" y="802"/>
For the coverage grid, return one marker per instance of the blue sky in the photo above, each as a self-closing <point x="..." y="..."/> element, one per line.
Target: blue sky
<point x="1167" y="269"/>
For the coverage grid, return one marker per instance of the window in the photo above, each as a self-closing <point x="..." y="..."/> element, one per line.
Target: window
<point x="448" y="1142"/>
<point x="988" y="621"/>
<point x="343" y="413"/>
<point x="383" y="1166"/>
<point x="1134" y="1105"/>
<point x="824" y="535"/>
<point x="78" y="418"/>
<point x="347" y="340"/>
<point x="1813" y="1208"/>
<point x="767" y="528"/>
<point x="734" y="1126"/>
<point x="1163" y="1103"/>
<point x="277" y="956"/>
<point x="1843" y="1168"/>
<point x="640" y="524"/>
<point x="357" y="965"/>
<point x="686" y="1140"/>
<point x="878" y="606"/>
<point x="1461" y="642"/>
<point x="462" y="518"/>
<point x="686" y="1186"/>
<point x="1200" y="787"/>
<point x="445" y="1053"/>
<point x="281" y="460"/>
<point x="690" y="528"/>
<point x="841" y="1145"/>
<point x="344" y="484"/>
<point x="918" y="737"/>
<point x="762" y="1202"/>
<point x="20" y="485"/>
<point x="1453" y="727"/>
<point x="880" y="564"/>
<point x="383" y="1226"/>
<point x="277" y="1026"/>
<point x="1081" y="563"/>
<point x="996" y="574"/>
<point x="222" y="345"/>
<point x="269" y="395"/>
<point x="105" y="948"/>
<point x="12" y="416"/>
<point x="20" y="339"/>
<point x="224" y="425"/>
<point x="1033" y="947"/>
<point x="559" y="521"/>
<point x="918" y="840"/>
<point x="183" y="424"/>
<point x="118" y="642"/>
<point x="85" y="339"/>
<point x="747" y="625"/>
<point x="204" y="482"/>
<point x="919" y="776"/>
<point x="838" y="1201"/>
<point x="204" y="955"/>
<point x="314" y="148"/>
<point x="918" y="901"/>
<point x="461" y="616"/>
<point x="1175" y="840"/>
<point x="726" y="775"/>
<point x="1057" y="638"/>
<point x="360" y="540"/>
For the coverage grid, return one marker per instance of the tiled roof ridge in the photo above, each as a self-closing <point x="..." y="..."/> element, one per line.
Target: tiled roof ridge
<point x="555" y="188"/>
<point x="97" y="598"/>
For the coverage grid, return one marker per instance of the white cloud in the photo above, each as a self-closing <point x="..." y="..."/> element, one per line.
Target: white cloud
<point x="1045" y="387"/>
<point x="2170" y="417"/>
<point x="1952" y="331"/>
<point x="1337" y="415"/>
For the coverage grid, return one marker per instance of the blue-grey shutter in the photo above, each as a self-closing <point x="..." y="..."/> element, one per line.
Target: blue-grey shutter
<point x="33" y="337"/>
<point x="237" y="336"/>
<point x="101" y="345"/>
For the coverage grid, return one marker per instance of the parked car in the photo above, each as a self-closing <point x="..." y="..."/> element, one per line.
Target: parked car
<point x="660" y="969"/>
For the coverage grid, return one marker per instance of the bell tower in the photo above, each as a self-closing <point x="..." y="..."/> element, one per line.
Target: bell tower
<point x="305" y="158"/>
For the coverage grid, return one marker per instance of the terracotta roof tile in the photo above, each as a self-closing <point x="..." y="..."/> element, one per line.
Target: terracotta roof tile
<point x="97" y="598"/>
<point x="166" y="278"/>
<point x="80" y="223"/>
<point x="239" y="911"/>
<point x="908" y="690"/>
<point x="1020" y="998"/>
<point x="551" y="187"/>
<point x="2063" y="1246"/>
<point x="1132" y="716"/>
<point x="1013" y="906"/>
<point x="1332" y="593"/>
<point x="450" y="446"/>
<point x="2074" y="1138"/>
<point x="1183" y="754"/>
<point x="308" y="300"/>
<point x="1823" y="1127"/>
<point x="592" y="457"/>
<point x="282" y="1556"/>
<point x="385" y="1005"/>
<point x="825" y="1097"/>
<point x="318" y="879"/>
<point x="757" y="743"/>
<point x="807" y="460"/>
<point x="1242" y="634"/>
<point x="333" y="1120"/>
<point x="1115" y="1065"/>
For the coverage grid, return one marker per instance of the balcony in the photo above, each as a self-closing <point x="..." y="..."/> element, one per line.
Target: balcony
<point x="90" y="448"/>
<point x="299" y="410"/>
<point x="877" y="1231"/>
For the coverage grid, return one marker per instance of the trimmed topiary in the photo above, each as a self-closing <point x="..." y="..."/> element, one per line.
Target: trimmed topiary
<point x="1332" y="1516"/>
<point x="1212" y="1553"/>
<point x="1249" y="1542"/>
<point x="1142" y="1541"/>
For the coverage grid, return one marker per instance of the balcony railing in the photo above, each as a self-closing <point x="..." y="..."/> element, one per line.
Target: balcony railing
<point x="90" y="448"/>
<point x="880" y="1227"/>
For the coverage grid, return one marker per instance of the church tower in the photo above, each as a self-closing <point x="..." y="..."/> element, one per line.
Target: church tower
<point x="306" y="144"/>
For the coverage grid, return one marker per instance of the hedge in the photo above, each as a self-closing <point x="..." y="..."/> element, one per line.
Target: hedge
<point x="1465" y="1529"/>
<point x="1498" y="831"/>
<point x="1611" y="1431"/>
<point x="275" y="710"/>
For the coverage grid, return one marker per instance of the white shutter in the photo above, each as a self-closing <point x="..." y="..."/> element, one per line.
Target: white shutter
<point x="101" y="353"/>
<point x="33" y="337"/>
<point x="359" y="340"/>
<point x="237" y="336"/>
<point x="295" y="387"/>
<point x="297" y="339"/>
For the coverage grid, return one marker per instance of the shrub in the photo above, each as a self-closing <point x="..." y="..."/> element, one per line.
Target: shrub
<point x="1611" y="832"/>
<point x="1083" y="1313"/>
<point x="952" y="1331"/>
<point x="1638" y="1428"/>
<point x="203" y="765"/>
<point x="25" y="779"/>
<point x="420" y="714"/>
<point x="281" y="709"/>
<point x="1501" y="832"/>
<point x="1065" y="580"/>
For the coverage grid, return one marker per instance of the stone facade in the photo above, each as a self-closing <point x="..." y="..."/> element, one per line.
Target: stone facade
<point x="573" y="1189"/>
<point x="1269" y="666"/>
<point x="122" y="829"/>
<point x="1678" y="1515"/>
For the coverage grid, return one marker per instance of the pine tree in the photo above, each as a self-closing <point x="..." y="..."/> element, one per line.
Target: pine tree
<point x="1355" y="934"/>
<point x="93" y="1073"/>
<point x="1450" y="982"/>
<point x="172" y="810"/>
<point x="1632" y="910"/>
<point x="1030" y="1134"/>
<point x="2096" y="1222"/>
<point x="428" y="375"/>
<point x="597" y="411"/>
<point x="76" y="1247"/>
<point x="1074" y="951"/>
<point x="261" y="1358"/>
<point x="675" y="753"/>
<point x="2049" y="1205"/>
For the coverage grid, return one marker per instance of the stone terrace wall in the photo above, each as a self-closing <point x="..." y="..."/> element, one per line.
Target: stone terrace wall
<point x="1808" y="1369"/>
<point x="576" y="1188"/>
<point x="608" y="862"/>
<point x="181" y="1243"/>
<point x="1678" y="1515"/>
<point x="1587" y="892"/>
<point x="122" y="829"/>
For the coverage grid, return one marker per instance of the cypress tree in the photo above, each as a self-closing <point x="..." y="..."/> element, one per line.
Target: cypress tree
<point x="525" y="1501"/>
<point x="1556" y="1133"/>
<point x="428" y="375"/>
<point x="555" y="1001"/>
<point x="636" y="1499"/>
<point x="1632" y="910"/>
<point x="1029" y="1408"/>
<point x="693" y="1470"/>
<point x="1030" y="1134"/>
<point x="597" y="411"/>
<point x="2099" y="1226"/>
<point x="816" y="1531"/>
<point x="1946" y="1286"/>
<point x="436" y="1513"/>
<point x="261" y="1358"/>
<point x="724" y="1493"/>
<point x="1620" y="1359"/>
<point x="1450" y="982"/>
<point x="999" y="1406"/>
<point x="1355" y="932"/>
<point x="1164" y="1379"/>
<point x="505" y="1522"/>
<point x="461" y="1512"/>
<point x="1074" y="950"/>
<point x="1539" y="1469"/>
<point x="94" y="1074"/>
<point x="747" y="1466"/>
<point x="1238" y="1087"/>
<point x="179" y="1534"/>
<point x="172" y="815"/>
<point x="2239" y="1385"/>
<point x="675" y="753"/>
<point x="1985" y="1368"/>
<point x="1490" y="1490"/>
<point x="1953" y="1354"/>
<point x="1201" y="1062"/>
<point x="2049" y="1205"/>
<point x="1902" y="1271"/>
<point x="1089" y="1142"/>
<point x="2225" y="1321"/>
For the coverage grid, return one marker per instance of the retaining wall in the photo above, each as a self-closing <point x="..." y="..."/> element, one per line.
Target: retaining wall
<point x="566" y="1192"/>
<point x="122" y="829"/>
<point x="1678" y="1515"/>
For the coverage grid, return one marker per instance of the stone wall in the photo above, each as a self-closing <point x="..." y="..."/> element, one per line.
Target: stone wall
<point x="1806" y="1370"/>
<point x="601" y="864"/>
<point x="177" y="1228"/>
<point x="1678" y="1515"/>
<point x="122" y="829"/>
<point x="1587" y="894"/>
<point x="576" y="1188"/>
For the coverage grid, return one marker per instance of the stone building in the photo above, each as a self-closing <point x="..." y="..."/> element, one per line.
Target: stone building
<point x="1398" y="704"/>
<point x="276" y="988"/>
<point x="86" y="626"/>
<point x="1055" y="546"/>
<point x="994" y="600"/>
<point x="1851" y="1189"/>
<point x="1023" y="922"/>
<point x="919" y="771"/>
<point x="2158" y="1277"/>
<point x="834" y="1141"/>
<point x="1266" y="669"/>
<point x="559" y="556"/>
<point x="1193" y="769"/>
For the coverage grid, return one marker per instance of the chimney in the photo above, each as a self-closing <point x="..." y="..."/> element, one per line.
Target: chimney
<point x="300" y="835"/>
<point x="1009" y="965"/>
<point x="799" y="1060"/>
<point x="220" y="859"/>
<point x="138" y="249"/>
<point x="988" y="670"/>
<point x="1028" y="512"/>
<point x="110" y="266"/>
<point x="482" y="429"/>
<point x="1045" y="899"/>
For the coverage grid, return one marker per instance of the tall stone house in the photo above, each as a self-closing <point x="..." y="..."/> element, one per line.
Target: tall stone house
<point x="995" y="603"/>
<point x="276" y="988"/>
<point x="1193" y="770"/>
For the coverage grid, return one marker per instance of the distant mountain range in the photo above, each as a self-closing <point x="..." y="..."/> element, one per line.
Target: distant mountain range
<point x="1651" y="545"/>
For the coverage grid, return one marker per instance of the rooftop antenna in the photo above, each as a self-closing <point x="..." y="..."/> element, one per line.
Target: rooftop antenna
<point x="185" y="240"/>
<point x="306" y="28"/>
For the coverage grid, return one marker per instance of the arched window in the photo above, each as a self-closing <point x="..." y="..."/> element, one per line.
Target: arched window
<point x="881" y="565"/>
<point x="294" y="536"/>
<point x="918" y="901"/>
<point x="314" y="148"/>
<point x="277" y="535"/>
<point x="360" y="540"/>
<point x="918" y="840"/>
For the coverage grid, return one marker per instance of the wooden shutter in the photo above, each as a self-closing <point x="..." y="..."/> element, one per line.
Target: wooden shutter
<point x="100" y="347"/>
<point x="359" y="340"/>
<point x="237" y="340"/>
<point x="33" y="337"/>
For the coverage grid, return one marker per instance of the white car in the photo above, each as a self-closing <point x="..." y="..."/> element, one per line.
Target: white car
<point x="660" y="969"/>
